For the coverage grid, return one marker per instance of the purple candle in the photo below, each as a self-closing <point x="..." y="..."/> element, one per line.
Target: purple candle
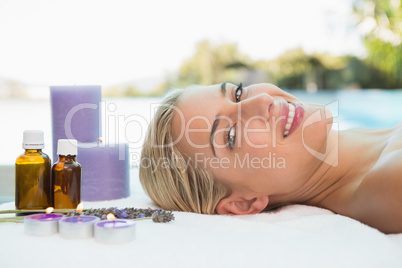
<point x="105" y="171"/>
<point x="75" y="113"/>
<point x="77" y="227"/>
<point x="41" y="224"/>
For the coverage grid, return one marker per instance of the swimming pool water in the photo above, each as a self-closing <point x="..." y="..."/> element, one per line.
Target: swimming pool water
<point x="360" y="108"/>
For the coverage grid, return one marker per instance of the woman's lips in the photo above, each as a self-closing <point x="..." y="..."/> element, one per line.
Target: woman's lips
<point x="287" y="118"/>
<point x="284" y="115"/>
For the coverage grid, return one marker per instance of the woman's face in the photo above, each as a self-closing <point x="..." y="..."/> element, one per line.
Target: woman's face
<point x="258" y="138"/>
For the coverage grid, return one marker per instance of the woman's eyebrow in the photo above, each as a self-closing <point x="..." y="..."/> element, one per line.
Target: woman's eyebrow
<point x="223" y="88"/>
<point x="216" y="120"/>
<point x="212" y="137"/>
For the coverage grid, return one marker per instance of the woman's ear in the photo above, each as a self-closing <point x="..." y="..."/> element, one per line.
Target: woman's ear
<point x="237" y="205"/>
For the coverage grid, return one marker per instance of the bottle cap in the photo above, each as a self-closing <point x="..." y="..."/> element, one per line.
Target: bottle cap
<point x="67" y="147"/>
<point x="33" y="139"/>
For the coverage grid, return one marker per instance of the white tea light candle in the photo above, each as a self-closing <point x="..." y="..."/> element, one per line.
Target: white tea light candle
<point x="114" y="231"/>
<point x="42" y="224"/>
<point x="77" y="227"/>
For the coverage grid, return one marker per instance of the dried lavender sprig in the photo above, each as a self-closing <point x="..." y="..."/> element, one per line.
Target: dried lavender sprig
<point x="162" y="216"/>
<point x="157" y="215"/>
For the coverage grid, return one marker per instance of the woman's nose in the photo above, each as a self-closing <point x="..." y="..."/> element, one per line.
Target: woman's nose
<point x="257" y="106"/>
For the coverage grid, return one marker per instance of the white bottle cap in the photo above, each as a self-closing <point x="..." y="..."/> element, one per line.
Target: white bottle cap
<point x="67" y="147"/>
<point x="33" y="139"/>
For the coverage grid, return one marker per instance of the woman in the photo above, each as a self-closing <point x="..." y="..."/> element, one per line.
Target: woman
<point x="238" y="150"/>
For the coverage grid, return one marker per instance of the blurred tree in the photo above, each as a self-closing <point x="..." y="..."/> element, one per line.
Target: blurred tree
<point x="288" y="70"/>
<point x="132" y="91"/>
<point x="356" y="73"/>
<point x="112" y="91"/>
<point x="380" y="21"/>
<point x="295" y="69"/>
<point x="211" y="64"/>
<point x="13" y="89"/>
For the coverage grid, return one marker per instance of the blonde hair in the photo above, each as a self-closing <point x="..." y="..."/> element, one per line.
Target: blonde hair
<point x="170" y="178"/>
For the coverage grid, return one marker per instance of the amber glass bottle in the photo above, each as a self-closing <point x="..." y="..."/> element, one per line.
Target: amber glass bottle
<point x="66" y="176"/>
<point x="33" y="184"/>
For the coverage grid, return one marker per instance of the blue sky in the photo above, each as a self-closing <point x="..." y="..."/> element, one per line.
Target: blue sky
<point x="48" y="42"/>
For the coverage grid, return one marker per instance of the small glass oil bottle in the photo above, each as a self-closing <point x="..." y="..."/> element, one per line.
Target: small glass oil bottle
<point x="66" y="176"/>
<point x="33" y="184"/>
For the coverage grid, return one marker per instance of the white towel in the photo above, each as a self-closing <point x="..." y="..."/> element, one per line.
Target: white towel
<point x="292" y="236"/>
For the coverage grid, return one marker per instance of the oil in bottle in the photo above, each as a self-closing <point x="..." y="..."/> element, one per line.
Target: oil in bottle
<point x="66" y="176"/>
<point x="33" y="184"/>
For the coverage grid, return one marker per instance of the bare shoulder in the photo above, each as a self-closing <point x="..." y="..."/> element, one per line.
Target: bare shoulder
<point x="394" y="141"/>
<point x="378" y="199"/>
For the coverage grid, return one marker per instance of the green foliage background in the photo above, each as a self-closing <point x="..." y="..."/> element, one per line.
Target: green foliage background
<point x="381" y="24"/>
<point x="379" y="21"/>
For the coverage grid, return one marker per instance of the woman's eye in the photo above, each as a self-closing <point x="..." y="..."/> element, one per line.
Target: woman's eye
<point x="231" y="137"/>
<point x="238" y="92"/>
